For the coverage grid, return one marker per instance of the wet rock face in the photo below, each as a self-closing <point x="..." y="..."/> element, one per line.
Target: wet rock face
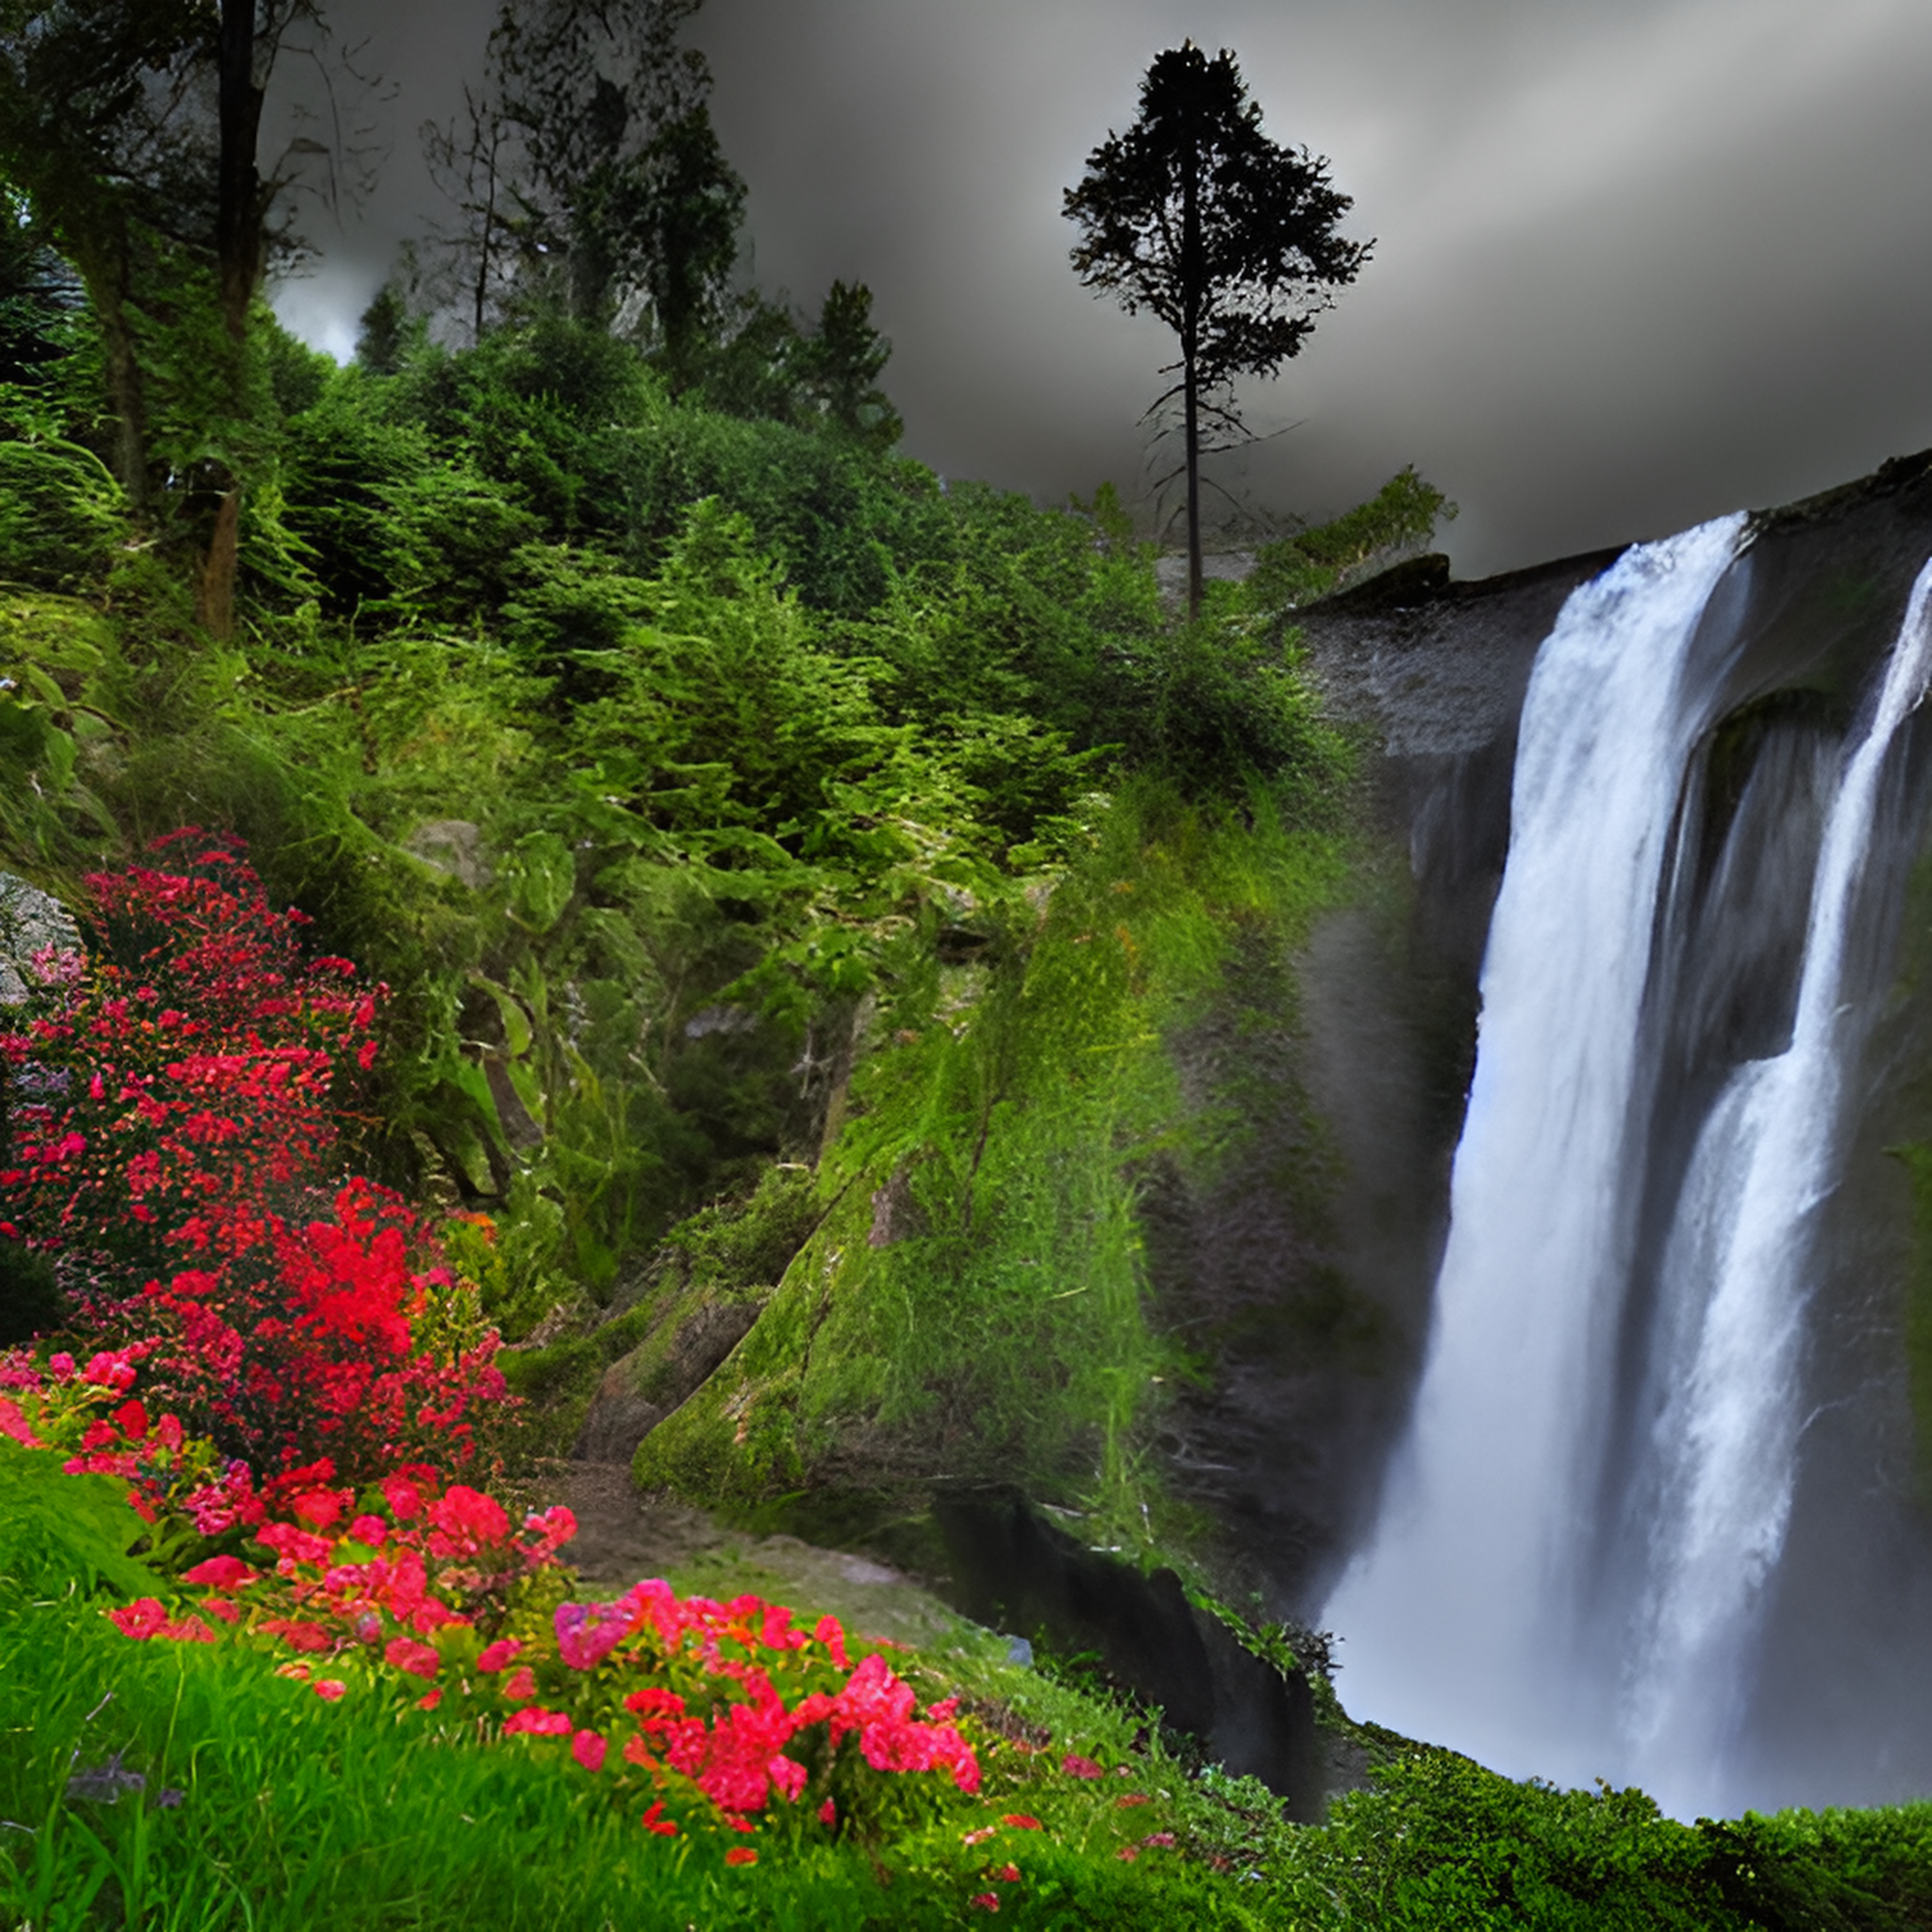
<point x="1013" y="1571"/>
<point x="29" y="921"/>
<point x="1304" y="1270"/>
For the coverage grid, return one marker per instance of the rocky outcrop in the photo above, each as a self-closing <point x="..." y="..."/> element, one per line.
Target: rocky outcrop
<point x="29" y="921"/>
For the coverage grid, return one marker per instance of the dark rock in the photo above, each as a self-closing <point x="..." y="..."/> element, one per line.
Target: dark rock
<point x="633" y="1399"/>
<point x="1013" y="1570"/>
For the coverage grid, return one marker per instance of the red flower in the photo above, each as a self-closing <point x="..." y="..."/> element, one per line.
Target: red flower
<point x="406" y="1653"/>
<point x="498" y="1656"/>
<point x="652" y="1702"/>
<point x="654" y="1820"/>
<point x="520" y="1684"/>
<point x="537" y="1724"/>
<point x="588" y="1748"/>
<point x="1007" y="1875"/>
<point x="986" y="1901"/>
<point x="221" y="1572"/>
<point x="740" y="1854"/>
<point x="1020" y="1822"/>
<point x="328" y="1689"/>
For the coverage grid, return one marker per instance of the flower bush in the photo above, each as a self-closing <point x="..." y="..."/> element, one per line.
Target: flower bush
<point x="425" y="1590"/>
<point x="185" y="1089"/>
<point x="192" y="1070"/>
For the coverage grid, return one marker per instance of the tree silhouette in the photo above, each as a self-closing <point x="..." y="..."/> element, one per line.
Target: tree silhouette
<point x="1195" y="215"/>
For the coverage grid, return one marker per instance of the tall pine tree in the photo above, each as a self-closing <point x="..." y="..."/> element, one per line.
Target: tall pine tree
<point x="1195" y="215"/>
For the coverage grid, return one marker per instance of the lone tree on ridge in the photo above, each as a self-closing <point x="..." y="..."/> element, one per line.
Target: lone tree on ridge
<point x="1195" y="214"/>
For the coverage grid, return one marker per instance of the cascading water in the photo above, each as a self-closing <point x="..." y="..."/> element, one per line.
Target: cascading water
<point x="1504" y="1605"/>
<point x="1738" y="1255"/>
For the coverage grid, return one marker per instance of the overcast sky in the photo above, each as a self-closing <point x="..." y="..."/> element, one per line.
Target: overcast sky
<point x="1637" y="262"/>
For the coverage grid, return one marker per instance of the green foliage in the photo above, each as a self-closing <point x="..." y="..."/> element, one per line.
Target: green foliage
<point x="975" y="1301"/>
<point x="60" y="513"/>
<point x="63" y="1534"/>
<point x="1439" y="1840"/>
<point x="1398" y="520"/>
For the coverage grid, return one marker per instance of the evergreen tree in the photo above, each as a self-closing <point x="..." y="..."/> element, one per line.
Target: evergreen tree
<point x="1195" y="215"/>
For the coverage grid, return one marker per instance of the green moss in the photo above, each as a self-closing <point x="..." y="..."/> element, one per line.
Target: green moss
<point x="975" y="1304"/>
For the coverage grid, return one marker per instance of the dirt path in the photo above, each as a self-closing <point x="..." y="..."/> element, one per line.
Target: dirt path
<point x="621" y="1537"/>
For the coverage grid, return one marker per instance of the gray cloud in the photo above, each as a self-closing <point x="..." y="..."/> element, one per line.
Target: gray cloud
<point x="1637" y="260"/>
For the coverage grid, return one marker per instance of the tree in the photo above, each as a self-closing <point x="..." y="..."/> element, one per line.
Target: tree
<point x="132" y="127"/>
<point x="558" y="168"/>
<point x="1195" y="215"/>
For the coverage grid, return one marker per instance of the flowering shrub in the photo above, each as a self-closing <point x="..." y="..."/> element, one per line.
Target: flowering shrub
<point x="429" y="1587"/>
<point x="182" y="1104"/>
<point x="189" y="1072"/>
<point x="323" y="1340"/>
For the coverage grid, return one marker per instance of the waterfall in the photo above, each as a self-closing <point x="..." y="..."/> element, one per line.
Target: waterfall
<point x="1456" y="1617"/>
<point x="1736" y="1282"/>
<point x="1490" y="1610"/>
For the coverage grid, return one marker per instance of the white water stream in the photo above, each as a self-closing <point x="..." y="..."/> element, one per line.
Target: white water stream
<point x="1739" y="1267"/>
<point x="1475" y="1616"/>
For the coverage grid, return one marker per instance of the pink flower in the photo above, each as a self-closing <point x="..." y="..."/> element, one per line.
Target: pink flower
<point x="318" y="1506"/>
<point x="1164" y="1839"/>
<point x="588" y="1633"/>
<point x="221" y="1572"/>
<point x="1007" y="1875"/>
<point x="498" y="1656"/>
<point x="328" y="1689"/>
<point x="828" y="1813"/>
<point x="13" y="1423"/>
<point x="832" y="1636"/>
<point x="144" y="1618"/>
<point x="986" y="1901"/>
<point x="588" y="1748"/>
<point x="1130" y="1853"/>
<point x="404" y="1499"/>
<point x="370" y="1530"/>
<point x="1077" y="1766"/>
<point x="468" y="1517"/>
<point x="520" y="1684"/>
<point x="536" y="1722"/>
<point x="653" y="1701"/>
<point x="406" y="1653"/>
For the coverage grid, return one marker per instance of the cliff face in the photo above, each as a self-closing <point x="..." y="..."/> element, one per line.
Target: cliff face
<point x="1304" y="1271"/>
<point x="1316" y="1304"/>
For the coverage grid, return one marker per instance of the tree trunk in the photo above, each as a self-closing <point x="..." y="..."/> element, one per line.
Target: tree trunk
<point x="101" y="255"/>
<point x="240" y="250"/>
<point x="127" y="395"/>
<point x="1192" y="295"/>
<point x="214" y="597"/>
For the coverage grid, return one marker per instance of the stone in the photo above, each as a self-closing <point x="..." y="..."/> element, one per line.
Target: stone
<point x="29" y="920"/>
